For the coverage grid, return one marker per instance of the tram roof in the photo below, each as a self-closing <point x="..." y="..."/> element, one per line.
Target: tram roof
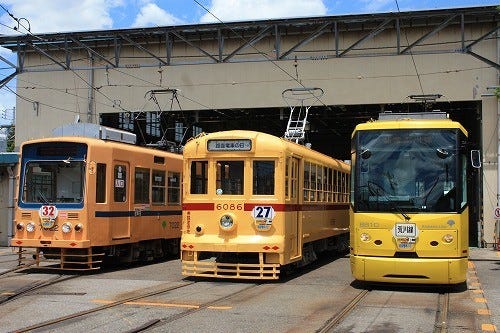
<point x="269" y="146"/>
<point x="409" y="123"/>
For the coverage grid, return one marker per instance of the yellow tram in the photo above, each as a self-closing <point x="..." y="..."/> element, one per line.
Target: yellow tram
<point x="82" y="200"/>
<point x="409" y="214"/>
<point x="253" y="203"/>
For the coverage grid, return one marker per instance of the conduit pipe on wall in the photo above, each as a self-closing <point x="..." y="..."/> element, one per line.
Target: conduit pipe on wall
<point x="10" y="207"/>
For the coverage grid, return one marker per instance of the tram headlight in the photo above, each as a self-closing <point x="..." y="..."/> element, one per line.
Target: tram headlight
<point x="30" y="227"/>
<point x="20" y="226"/>
<point x="66" y="227"/>
<point x="448" y="238"/>
<point x="364" y="237"/>
<point x="78" y="227"/>
<point x="226" y="222"/>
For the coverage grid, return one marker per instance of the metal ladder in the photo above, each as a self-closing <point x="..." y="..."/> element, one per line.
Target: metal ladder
<point x="296" y="127"/>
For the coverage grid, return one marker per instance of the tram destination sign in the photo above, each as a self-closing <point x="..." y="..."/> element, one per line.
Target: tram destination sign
<point x="229" y="145"/>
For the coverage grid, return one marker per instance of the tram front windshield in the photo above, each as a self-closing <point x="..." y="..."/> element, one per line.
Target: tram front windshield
<point x="53" y="182"/>
<point x="408" y="171"/>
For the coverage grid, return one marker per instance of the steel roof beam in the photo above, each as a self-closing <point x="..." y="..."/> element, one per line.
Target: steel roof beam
<point x="373" y="33"/>
<point x="56" y="61"/>
<point x="255" y="39"/>
<point x="429" y="34"/>
<point x="91" y="50"/>
<point x="306" y="40"/>
<point x="486" y="35"/>
<point x="143" y="49"/>
<point x="193" y="45"/>
<point x="483" y="59"/>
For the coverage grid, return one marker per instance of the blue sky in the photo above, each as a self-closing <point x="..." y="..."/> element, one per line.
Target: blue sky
<point x="81" y="15"/>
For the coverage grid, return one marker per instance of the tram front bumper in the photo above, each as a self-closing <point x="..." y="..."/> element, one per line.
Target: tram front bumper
<point x="409" y="270"/>
<point x="69" y="244"/>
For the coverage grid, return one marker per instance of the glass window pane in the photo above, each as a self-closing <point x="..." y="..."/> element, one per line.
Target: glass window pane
<point x="120" y="182"/>
<point x="199" y="174"/>
<point x="174" y="188"/>
<point x="263" y="177"/>
<point x="158" y="187"/>
<point x="230" y="177"/>
<point x="141" y="185"/>
<point x="100" y="188"/>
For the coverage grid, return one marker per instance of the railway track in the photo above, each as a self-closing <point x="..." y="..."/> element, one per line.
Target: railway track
<point x="148" y="325"/>
<point x="339" y="316"/>
<point x="33" y="286"/>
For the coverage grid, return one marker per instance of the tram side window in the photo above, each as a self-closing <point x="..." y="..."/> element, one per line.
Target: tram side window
<point x="199" y="177"/>
<point x="263" y="177"/>
<point x="174" y="188"/>
<point x="141" y="186"/>
<point x="307" y="181"/>
<point x="287" y="178"/>
<point x="120" y="180"/>
<point x="158" y="187"/>
<point x="100" y="186"/>
<point x="319" y="184"/>
<point x="230" y="177"/>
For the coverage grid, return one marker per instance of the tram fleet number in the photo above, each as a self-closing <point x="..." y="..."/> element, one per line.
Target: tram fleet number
<point x="229" y="206"/>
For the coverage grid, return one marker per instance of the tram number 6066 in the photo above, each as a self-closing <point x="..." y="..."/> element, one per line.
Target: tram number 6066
<point x="229" y="206"/>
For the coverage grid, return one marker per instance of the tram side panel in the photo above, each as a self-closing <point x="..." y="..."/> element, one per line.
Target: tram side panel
<point x="250" y="232"/>
<point x="130" y="202"/>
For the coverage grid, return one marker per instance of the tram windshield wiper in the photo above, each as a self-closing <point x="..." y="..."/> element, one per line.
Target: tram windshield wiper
<point x="380" y="191"/>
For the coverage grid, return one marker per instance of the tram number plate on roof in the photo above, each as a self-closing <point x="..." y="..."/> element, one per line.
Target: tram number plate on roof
<point x="405" y="230"/>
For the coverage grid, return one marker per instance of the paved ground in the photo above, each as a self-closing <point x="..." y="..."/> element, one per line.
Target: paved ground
<point x="485" y="264"/>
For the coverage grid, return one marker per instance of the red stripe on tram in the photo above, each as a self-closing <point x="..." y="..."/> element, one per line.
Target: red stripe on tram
<point x="198" y="206"/>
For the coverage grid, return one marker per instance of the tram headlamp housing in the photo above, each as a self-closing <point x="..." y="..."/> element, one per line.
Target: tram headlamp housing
<point x="364" y="237"/>
<point x="66" y="227"/>
<point x="30" y="227"/>
<point x="448" y="238"/>
<point x="226" y="222"/>
<point x="79" y="227"/>
<point x="20" y="226"/>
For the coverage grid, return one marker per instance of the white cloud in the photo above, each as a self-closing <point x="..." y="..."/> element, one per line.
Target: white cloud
<point x="239" y="10"/>
<point x="376" y="5"/>
<point x="59" y="15"/>
<point x="152" y="15"/>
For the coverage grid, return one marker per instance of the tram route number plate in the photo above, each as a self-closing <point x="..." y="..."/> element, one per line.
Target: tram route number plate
<point x="405" y="230"/>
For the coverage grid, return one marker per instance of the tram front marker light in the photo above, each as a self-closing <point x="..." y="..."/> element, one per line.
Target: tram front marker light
<point x="20" y="226"/>
<point x="78" y="227"/>
<point x="226" y="222"/>
<point x="30" y="227"/>
<point x="448" y="238"/>
<point x="66" y="227"/>
<point x="365" y="237"/>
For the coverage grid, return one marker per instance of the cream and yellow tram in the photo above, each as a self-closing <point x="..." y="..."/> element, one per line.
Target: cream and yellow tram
<point x="253" y="203"/>
<point x="409" y="216"/>
<point x="83" y="200"/>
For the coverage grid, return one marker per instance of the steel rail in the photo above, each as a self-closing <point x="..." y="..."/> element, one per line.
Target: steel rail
<point x="338" y="317"/>
<point x="99" y="308"/>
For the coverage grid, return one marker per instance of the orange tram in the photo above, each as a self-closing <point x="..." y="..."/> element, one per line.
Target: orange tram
<point x="82" y="200"/>
<point x="255" y="205"/>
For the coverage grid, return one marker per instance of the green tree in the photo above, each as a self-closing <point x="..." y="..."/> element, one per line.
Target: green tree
<point x="11" y="138"/>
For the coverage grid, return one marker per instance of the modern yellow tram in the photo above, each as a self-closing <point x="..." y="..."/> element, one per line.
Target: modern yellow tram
<point x="409" y="213"/>
<point x="84" y="200"/>
<point x="253" y="203"/>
